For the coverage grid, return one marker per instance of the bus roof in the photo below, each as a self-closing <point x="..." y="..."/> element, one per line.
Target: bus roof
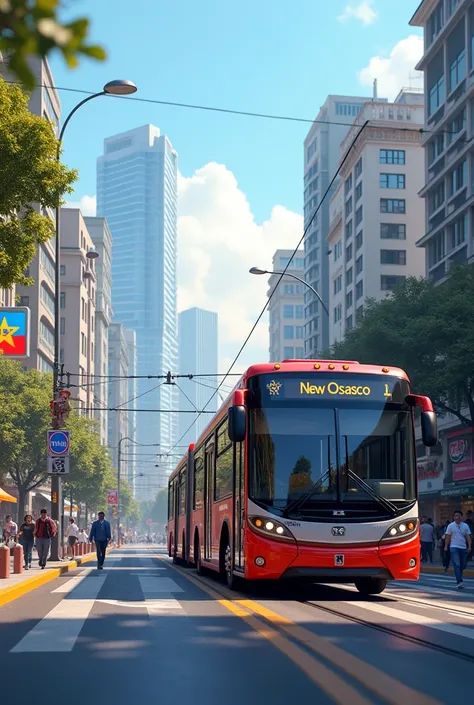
<point x="335" y="366"/>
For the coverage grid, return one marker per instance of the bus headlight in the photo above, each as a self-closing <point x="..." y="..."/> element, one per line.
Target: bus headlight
<point x="270" y="527"/>
<point x="401" y="530"/>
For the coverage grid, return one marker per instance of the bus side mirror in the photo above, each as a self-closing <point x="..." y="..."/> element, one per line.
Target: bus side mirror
<point x="237" y="423"/>
<point x="429" y="423"/>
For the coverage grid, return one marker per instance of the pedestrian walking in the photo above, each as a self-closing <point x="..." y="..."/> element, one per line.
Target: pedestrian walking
<point x="10" y="531"/>
<point x="470" y="523"/>
<point x="27" y="540"/>
<point x="459" y="541"/>
<point x="100" y="533"/>
<point x="427" y="534"/>
<point x="82" y="537"/>
<point x="72" y="533"/>
<point x="45" y="530"/>
<point x="445" y="553"/>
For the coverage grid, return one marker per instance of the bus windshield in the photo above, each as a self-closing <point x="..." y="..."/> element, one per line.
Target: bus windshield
<point x="329" y="450"/>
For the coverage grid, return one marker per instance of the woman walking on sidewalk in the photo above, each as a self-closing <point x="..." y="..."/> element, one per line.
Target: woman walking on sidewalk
<point x="27" y="540"/>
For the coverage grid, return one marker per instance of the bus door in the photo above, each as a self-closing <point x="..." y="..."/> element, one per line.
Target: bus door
<point x="239" y="507"/>
<point x="209" y="495"/>
<point x="176" y="513"/>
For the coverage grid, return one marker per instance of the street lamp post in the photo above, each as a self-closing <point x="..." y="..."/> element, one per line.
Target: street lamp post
<point x="117" y="87"/>
<point x="257" y="270"/>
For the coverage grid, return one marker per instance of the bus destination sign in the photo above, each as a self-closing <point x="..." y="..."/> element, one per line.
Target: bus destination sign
<point x="365" y="388"/>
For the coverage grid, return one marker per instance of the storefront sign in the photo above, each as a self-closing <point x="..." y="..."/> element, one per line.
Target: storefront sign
<point x="460" y="454"/>
<point x="430" y="474"/>
<point x="465" y="490"/>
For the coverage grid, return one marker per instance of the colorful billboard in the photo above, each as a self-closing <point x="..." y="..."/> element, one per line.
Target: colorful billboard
<point x="460" y="454"/>
<point x="15" y="332"/>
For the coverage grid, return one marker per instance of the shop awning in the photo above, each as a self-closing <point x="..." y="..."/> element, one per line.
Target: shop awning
<point x="5" y="497"/>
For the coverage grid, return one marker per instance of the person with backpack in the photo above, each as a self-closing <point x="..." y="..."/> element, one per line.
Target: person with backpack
<point x="45" y="530"/>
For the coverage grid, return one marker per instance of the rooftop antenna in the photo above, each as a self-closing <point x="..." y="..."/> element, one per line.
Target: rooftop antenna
<point x="375" y="96"/>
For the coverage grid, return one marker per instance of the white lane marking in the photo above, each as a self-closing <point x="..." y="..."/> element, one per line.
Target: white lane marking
<point x="72" y="584"/>
<point x="59" y="629"/>
<point x="157" y="586"/>
<point x="463" y="616"/>
<point x="166" y="604"/>
<point x="419" y="619"/>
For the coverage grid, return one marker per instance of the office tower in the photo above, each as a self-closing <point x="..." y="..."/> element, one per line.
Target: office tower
<point x="137" y="193"/>
<point x="376" y="214"/>
<point x="321" y="159"/>
<point x="101" y="237"/>
<point x="131" y="338"/>
<point x="198" y="355"/>
<point x="118" y="396"/>
<point x="77" y="308"/>
<point x="286" y="308"/>
<point x="447" y="63"/>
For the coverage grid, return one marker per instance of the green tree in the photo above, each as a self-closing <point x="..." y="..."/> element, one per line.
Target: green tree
<point x="33" y="28"/>
<point x="428" y="331"/>
<point x="29" y="174"/>
<point x="302" y="465"/>
<point x="159" y="511"/>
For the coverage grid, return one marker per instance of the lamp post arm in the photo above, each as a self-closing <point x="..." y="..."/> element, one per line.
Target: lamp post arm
<point x="294" y="276"/>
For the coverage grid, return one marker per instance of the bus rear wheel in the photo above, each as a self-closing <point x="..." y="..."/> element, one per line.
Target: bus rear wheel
<point x="371" y="586"/>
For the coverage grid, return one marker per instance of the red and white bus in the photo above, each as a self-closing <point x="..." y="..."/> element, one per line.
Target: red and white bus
<point x="308" y="471"/>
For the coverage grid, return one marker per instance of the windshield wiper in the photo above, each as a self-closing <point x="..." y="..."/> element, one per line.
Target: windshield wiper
<point x="386" y="503"/>
<point x="297" y="503"/>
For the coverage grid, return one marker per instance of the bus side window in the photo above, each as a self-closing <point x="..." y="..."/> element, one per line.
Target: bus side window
<point x="198" y="478"/>
<point x="224" y="461"/>
<point x="171" y="500"/>
<point x="182" y="491"/>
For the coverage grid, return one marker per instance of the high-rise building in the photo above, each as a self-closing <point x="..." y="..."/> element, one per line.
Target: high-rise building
<point x="137" y="193"/>
<point x="131" y="338"/>
<point x="321" y="159"/>
<point x="376" y="214"/>
<point x="102" y="239"/>
<point x="118" y="396"/>
<point x="286" y="308"/>
<point x="447" y="62"/>
<point x="198" y="355"/>
<point x="77" y="308"/>
<point x="39" y="297"/>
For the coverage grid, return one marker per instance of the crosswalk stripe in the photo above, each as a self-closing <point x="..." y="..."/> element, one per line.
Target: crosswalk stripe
<point x="71" y="584"/>
<point x="162" y="587"/>
<point x="419" y="619"/>
<point x="59" y="629"/>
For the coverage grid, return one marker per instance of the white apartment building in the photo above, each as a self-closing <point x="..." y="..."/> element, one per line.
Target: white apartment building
<point x="321" y="159"/>
<point x="119" y="362"/>
<point x="448" y="64"/>
<point x="376" y="213"/>
<point x="101" y="236"/>
<point x="77" y="308"/>
<point x="286" y="308"/>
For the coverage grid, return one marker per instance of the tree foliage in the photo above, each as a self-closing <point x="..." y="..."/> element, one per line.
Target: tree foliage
<point x="33" y="28"/>
<point x="30" y="174"/>
<point x="428" y="331"/>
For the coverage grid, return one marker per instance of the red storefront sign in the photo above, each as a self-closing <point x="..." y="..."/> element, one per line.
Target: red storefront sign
<point x="460" y="452"/>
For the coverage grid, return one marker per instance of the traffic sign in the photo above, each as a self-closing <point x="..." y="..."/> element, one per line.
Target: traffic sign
<point x="149" y="522"/>
<point x="58" y="442"/>
<point x="58" y="465"/>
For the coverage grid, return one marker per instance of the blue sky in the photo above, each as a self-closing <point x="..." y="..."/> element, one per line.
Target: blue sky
<point x="267" y="56"/>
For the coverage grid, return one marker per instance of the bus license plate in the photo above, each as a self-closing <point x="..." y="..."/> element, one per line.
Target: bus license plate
<point x="339" y="559"/>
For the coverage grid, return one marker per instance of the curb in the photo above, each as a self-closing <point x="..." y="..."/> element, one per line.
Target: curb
<point x="13" y="592"/>
<point x="439" y="570"/>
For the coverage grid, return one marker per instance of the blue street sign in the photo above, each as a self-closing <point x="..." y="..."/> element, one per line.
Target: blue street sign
<point x="58" y="442"/>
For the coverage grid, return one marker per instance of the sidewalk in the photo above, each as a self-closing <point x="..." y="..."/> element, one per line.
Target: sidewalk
<point x="21" y="583"/>
<point x="437" y="569"/>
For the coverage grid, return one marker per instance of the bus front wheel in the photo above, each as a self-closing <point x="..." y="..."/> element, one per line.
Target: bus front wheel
<point x="371" y="586"/>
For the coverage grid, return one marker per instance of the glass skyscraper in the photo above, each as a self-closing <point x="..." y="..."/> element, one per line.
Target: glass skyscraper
<point x="137" y="193"/>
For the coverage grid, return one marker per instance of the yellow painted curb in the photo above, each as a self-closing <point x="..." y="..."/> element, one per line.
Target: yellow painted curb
<point x="13" y="592"/>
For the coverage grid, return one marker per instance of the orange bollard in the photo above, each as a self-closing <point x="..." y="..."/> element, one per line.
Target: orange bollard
<point x="81" y="549"/>
<point x="18" y="559"/>
<point x="4" y="562"/>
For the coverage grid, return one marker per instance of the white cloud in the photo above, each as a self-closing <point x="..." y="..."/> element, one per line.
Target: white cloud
<point x="87" y="205"/>
<point x="363" y="11"/>
<point x="393" y="72"/>
<point x="218" y="242"/>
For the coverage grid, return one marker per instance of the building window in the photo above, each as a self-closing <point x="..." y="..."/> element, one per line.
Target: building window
<point x="288" y="311"/>
<point x="62" y="325"/>
<point x="359" y="289"/>
<point x="392" y="180"/>
<point x="62" y="269"/>
<point x="392" y="156"/>
<point x="457" y="233"/>
<point x="389" y="282"/>
<point x="359" y="191"/>
<point x="288" y="332"/>
<point x="299" y="353"/>
<point x="62" y="299"/>
<point x="298" y="263"/>
<point x="348" y="207"/>
<point x="436" y="95"/>
<point x="349" y="299"/>
<point x="457" y="70"/>
<point x="83" y="344"/>
<point x="337" y="284"/>
<point x="359" y="240"/>
<point x="299" y="330"/>
<point x="435" y="22"/>
<point x="312" y="149"/>
<point x="337" y="250"/>
<point x="436" y="249"/>
<point x="359" y="313"/>
<point x="392" y="205"/>
<point x="348" y="229"/>
<point x="436" y="198"/>
<point x="359" y="215"/>
<point x="436" y="147"/>
<point x="47" y="337"/>
<point x="348" y="185"/>
<point x="359" y="264"/>
<point x="337" y="313"/>
<point x="348" y="109"/>
<point x="457" y="179"/>
<point x="299" y="311"/>
<point x="84" y="309"/>
<point x="288" y="289"/>
<point x="349" y="275"/>
<point x="288" y="353"/>
<point x="393" y="256"/>
<point x="393" y="231"/>
<point x="47" y="299"/>
<point x="349" y="252"/>
<point x="456" y="126"/>
<point x="358" y="168"/>
<point x="349" y="322"/>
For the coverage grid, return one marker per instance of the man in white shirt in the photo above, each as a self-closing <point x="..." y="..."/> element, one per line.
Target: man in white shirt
<point x="72" y="533"/>
<point x="458" y="540"/>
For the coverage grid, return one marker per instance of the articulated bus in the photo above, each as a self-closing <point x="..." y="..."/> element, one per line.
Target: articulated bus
<point x="307" y="472"/>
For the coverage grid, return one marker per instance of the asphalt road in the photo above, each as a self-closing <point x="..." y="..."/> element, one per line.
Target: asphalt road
<point x="143" y="630"/>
